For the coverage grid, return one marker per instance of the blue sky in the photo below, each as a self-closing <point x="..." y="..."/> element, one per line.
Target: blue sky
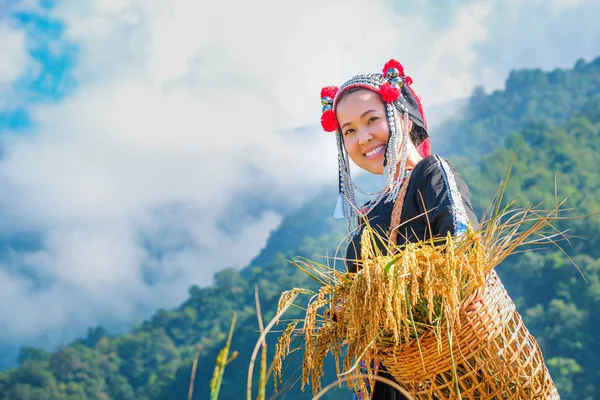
<point x="55" y="58"/>
<point x="128" y="126"/>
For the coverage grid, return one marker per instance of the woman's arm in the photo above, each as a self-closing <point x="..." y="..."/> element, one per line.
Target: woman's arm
<point x="445" y="199"/>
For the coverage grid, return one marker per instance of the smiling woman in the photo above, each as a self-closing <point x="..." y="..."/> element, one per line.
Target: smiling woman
<point x="380" y="125"/>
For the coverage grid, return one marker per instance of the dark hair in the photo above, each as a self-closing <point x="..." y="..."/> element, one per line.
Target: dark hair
<point x="417" y="133"/>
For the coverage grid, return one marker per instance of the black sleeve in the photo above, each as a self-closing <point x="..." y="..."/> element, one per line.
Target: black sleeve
<point x="444" y="197"/>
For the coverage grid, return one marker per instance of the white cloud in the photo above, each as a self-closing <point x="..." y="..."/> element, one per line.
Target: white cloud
<point x="448" y="58"/>
<point x="14" y="53"/>
<point x="536" y="34"/>
<point x="184" y="109"/>
<point x="13" y="61"/>
<point x="563" y="5"/>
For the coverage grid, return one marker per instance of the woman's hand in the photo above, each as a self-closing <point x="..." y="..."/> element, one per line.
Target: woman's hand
<point x="336" y="310"/>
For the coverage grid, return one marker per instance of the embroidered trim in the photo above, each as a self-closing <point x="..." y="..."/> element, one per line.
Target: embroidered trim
<point x="358" y="395"/>
<point x="459" y="215"/>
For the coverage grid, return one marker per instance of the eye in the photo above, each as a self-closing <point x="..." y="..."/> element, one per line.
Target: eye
<point x="348" y="131"/>
<point x="373" y="118"/>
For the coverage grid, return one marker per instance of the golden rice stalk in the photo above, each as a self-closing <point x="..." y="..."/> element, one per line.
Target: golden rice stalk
<point x="282" y="350"/>
<point x="262" y="339"/>
<point x="401" y="292"/>
<point x="286" y="299"/>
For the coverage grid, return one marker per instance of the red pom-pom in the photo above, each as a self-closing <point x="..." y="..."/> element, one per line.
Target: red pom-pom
<point x="329" y="91"/>
<point x="393" y="64"/>
<point x="424" y="148"/>
<point x="329" y="121"/>
<point x="389" y="93"/>
<point x="408" y="80"/>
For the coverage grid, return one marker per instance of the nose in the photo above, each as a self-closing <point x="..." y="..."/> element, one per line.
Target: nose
<point x="364" y="136"/>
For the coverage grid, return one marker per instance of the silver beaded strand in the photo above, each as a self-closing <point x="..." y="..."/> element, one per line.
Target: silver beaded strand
<point x="347" y="205"/>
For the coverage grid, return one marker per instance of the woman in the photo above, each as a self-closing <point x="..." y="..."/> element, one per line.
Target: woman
<point x="380" y="125"/>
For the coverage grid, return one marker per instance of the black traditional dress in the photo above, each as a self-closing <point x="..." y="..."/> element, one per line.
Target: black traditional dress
<point x="437" y="202"/>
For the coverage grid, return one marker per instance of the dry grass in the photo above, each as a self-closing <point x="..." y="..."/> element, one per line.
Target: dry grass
<point x="401" y="292"/>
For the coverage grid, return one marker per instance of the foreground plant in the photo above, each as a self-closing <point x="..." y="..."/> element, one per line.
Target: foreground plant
<point x="222" y="360"/>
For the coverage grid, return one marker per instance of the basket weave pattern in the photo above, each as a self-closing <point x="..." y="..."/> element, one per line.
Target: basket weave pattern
<point x="495" y="355"/>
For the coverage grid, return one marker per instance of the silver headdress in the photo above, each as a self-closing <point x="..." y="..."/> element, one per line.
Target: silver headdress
<point x="399" y="99"/>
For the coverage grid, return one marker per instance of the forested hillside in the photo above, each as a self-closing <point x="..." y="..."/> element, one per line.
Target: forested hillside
<point x="528" y="96"/>
<point x="555" y="119"/>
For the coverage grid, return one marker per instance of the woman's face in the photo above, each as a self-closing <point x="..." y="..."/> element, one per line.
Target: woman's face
<point x="362" y="119"/>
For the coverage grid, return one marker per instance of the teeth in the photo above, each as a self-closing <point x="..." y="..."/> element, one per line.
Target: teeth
<point x="378" y="149"/>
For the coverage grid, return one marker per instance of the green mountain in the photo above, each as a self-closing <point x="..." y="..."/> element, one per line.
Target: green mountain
<point x="555" y="119"/>
<point x="528" y="96"/>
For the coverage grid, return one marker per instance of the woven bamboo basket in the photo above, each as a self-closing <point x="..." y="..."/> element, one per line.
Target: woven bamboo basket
<point x="494" y="354"/>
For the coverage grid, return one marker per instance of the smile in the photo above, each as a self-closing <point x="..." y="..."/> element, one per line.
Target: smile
<point x="375" y="151"/>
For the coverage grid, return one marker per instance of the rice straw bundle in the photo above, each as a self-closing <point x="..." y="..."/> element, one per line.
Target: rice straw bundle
<point x="434" y="313"/>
